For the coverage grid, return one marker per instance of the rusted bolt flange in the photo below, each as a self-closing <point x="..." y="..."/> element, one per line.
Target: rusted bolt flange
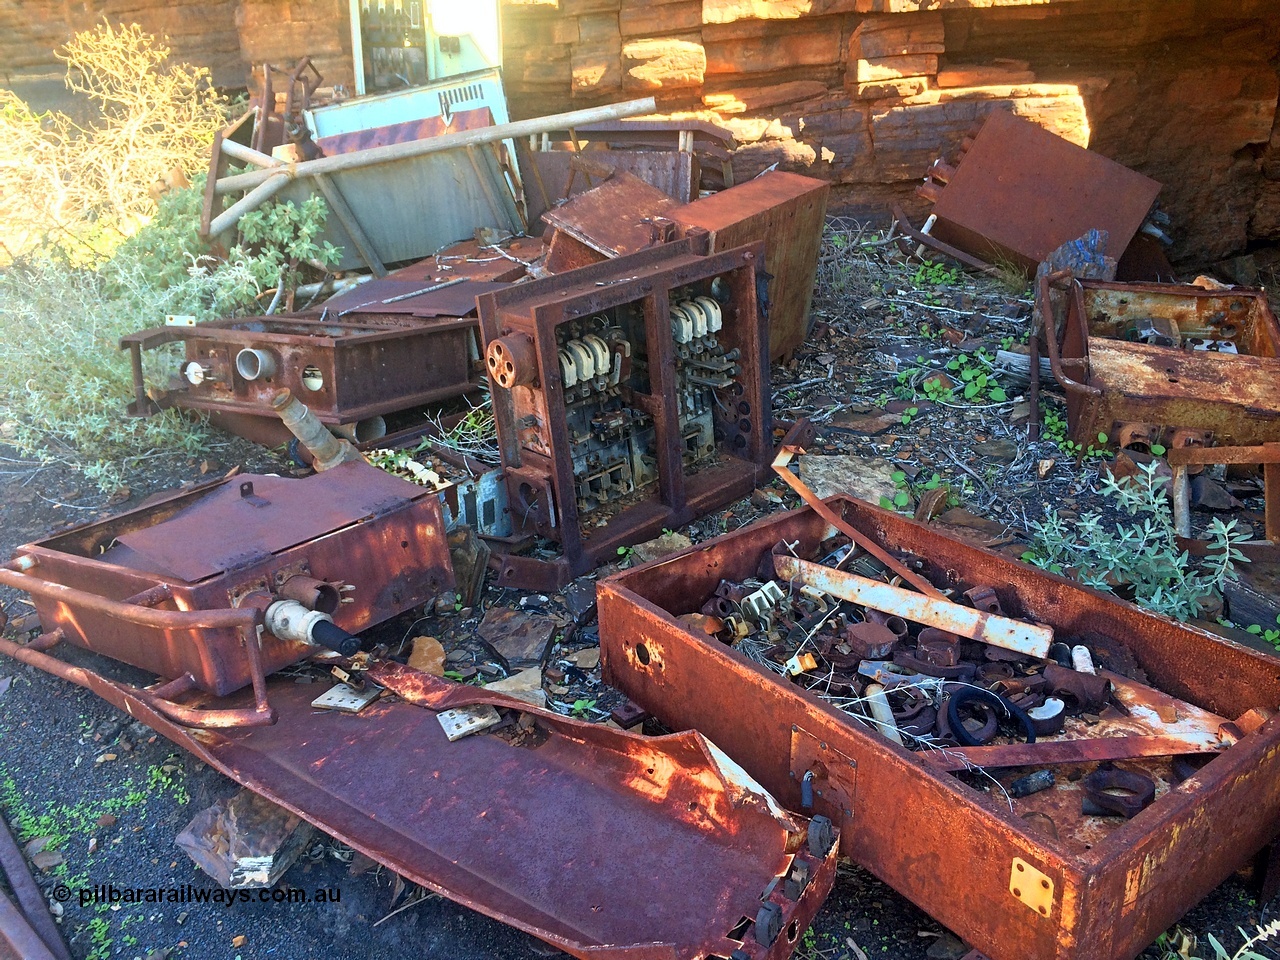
<point x="512" y="361"/>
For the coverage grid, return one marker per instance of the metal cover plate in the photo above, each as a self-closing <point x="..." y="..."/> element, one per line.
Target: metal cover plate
<point x="621" y="216"/>
<point x="222" y="529"/>
<point x="1026" y="191"/>
<point x="346" y="699"/>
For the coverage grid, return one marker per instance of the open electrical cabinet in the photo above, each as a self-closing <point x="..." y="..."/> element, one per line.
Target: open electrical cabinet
<point x="630" y="396"/>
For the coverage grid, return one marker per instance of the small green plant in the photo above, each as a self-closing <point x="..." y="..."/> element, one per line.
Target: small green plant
<point x="909" y="414"/>
<point x="581" y="708"/>
<point x="906" y="490"/>
<point x="1053" y="427"/>
<point x="1141" y="559"/>
<point x="936" y="274"/>
<point x="976" y="376"/>
<point x="1269" y="634"/>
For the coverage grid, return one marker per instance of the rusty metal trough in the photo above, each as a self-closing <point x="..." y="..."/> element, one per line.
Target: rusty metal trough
<point x="1154" y="362"/>
<point x="1016" y="878"/>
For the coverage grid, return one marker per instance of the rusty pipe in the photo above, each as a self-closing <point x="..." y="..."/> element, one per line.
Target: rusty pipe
<point x="361" y="431"/>
<point x="17" y="937"/>
<point x="329" y="451"/>
<point x="255" y="364"/>
<point x="1044" y="307"/>
<point x="31" y="901"/>
<point x="311" y="593"/>
<point x="261" y="714"/>
<point x="124" y="610"/>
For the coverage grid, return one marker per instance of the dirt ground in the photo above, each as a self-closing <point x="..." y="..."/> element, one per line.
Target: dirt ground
<point x="67" y="758"/>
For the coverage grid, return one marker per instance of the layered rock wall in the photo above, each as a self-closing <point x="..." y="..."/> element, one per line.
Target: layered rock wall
<point x="867" y="93"/>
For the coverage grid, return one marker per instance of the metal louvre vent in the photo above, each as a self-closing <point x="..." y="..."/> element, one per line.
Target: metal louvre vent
<point x="449" y="99"/>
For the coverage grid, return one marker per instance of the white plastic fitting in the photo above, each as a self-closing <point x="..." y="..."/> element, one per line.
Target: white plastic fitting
<point x="1081" y="659"/>
<point x="290" y="620"/>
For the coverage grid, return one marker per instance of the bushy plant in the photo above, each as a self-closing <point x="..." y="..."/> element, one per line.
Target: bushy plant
<point x="1141" y="558"/>
<point x="96" y="253"/>
<point x="86" y="187"/>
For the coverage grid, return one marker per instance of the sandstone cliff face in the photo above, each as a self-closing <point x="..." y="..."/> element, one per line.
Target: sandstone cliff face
<point x="867" y="93"/>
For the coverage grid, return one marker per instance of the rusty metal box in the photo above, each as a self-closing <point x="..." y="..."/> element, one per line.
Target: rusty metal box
<point x="377" y="539"/>
<point x="345" y="370"/>
<point x="1159" y="358"/>
<point x="787" y="212"/>
<point x="1097" y="892"/>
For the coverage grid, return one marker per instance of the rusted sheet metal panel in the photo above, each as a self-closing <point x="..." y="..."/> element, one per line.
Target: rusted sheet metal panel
<point x="947" y="847"/>
<point x="608" y="394"/>
<point x="397" y="294"/>
<point x="421" y="129"/>
<point x="18" y="940"/>
<point x="1020" y="192"/>
<point x="787" y="212"/>
<point x="623" y="215"/>
<point x="504" y="263"/>
<point x="344" y="370"/>
<point x="347" y="525"/>
<point x="1111" y="380"/>
<point x="602" y="843"/>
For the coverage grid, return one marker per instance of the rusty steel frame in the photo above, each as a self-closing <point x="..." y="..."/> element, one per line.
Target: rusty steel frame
<point x="949" y="848"/>
<point x="541" y="835"/>
<point x="204" y="633"/>
<point x="542" y="489"/>
<point x="31" y="918"/>
<point x="370" y="365"/>
<point x="1109" y="382"/>
<point x="1266" y="455"/>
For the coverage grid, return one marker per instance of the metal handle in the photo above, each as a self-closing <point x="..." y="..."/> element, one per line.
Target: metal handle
<point x="1045" y="309"/>
<point x="245" y="620"/>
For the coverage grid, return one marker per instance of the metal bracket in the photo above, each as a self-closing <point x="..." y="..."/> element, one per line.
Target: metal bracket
<point x="835" y="776"/>
<point x="1031" y="886"/>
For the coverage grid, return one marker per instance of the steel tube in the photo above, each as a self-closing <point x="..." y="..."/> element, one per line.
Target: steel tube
<point x="17" y="938"/>
<point x="260" y="715"/>
<point x="31" y="901"/>
<point x="422" y="148"/>
<point x="1027" y="638"/>
<point x="129" y="612"/>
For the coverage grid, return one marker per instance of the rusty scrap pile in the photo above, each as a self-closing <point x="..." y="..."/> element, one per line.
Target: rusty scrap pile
<point x="1060" y="761"/>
